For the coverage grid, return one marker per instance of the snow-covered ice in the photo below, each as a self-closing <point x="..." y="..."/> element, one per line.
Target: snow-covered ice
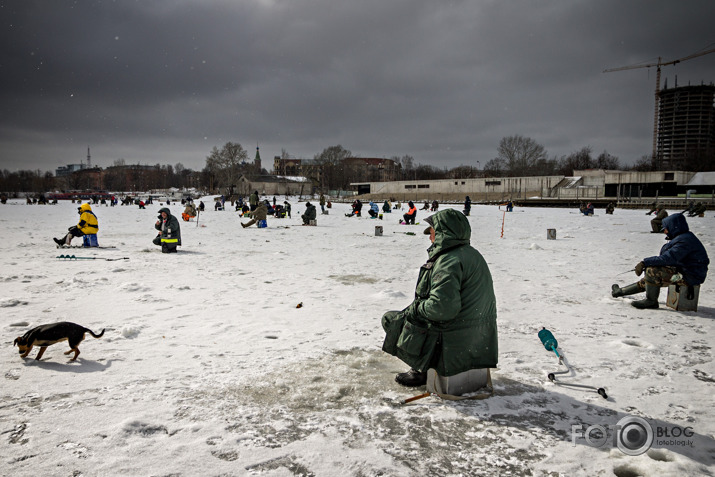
<point x="207" y="366"/>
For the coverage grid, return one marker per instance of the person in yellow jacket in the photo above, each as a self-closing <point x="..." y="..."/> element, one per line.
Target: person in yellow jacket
<point x="87" y="225"/>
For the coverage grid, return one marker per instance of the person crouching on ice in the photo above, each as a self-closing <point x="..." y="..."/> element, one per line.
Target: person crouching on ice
<point x="169" y="236"/>
<point x="451" y="325"/>
<point x="87" y="225"/>
<point x="683" y="255"/>
<point x="409" y="217"/>
<point x="374" y="210"/>
<point x="310" y="213"/>
<point x="189" y="212"/>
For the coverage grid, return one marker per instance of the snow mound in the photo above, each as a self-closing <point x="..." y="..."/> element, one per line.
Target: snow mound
<point x="133" y="287"/>
<point x="130" y="331"/>
<point x="389" y="294"/>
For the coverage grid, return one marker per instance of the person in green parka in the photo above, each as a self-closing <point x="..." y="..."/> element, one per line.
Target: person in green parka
<point x="169" y="236"/>
<point x="451" y="325"/>
<point x="253" y="200"/>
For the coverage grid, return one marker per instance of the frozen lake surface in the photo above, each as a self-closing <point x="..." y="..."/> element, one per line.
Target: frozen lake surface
<point x="208" y="368"/>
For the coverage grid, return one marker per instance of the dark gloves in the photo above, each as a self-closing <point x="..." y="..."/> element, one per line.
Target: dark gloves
<point x="639" y="268"/>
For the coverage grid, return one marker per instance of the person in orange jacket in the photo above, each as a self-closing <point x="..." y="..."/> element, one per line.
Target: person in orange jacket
<point x="411" y="214"/>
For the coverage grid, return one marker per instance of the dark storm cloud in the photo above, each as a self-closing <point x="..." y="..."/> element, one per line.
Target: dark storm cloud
<point x="165" y="81"/>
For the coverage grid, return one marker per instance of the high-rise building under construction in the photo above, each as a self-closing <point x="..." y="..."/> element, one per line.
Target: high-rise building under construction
<point x="686" y="127"/>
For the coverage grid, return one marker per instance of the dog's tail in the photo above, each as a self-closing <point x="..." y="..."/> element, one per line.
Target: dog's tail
<point x="96" y="336"/>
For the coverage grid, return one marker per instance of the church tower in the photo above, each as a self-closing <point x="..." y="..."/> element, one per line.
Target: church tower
<point x="257" y="160"/>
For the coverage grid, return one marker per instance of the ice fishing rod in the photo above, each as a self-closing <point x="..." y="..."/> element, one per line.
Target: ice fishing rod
<point x="74" y="257"/>
<point x="627" y="271"/>
<point x="550" y="343"/>
<point x="415" y="398"/>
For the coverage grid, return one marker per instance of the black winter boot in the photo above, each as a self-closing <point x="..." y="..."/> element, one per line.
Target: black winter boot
<point x="59" y="242"/>
<point x="651" y="297"/>
<point x="168" y="248"/>
<point x="631" y="289"/>
<point x="412" y="378"/>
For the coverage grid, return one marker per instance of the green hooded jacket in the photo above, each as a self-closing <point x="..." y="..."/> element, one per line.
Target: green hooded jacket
<point x="451" y="324"/>
<point x="253" y="199"/>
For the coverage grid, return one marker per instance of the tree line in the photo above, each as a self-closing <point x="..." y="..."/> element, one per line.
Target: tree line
<point x="517" y="156"/>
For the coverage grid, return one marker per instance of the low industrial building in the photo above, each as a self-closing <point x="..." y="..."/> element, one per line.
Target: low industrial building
<point x="626" y="188"/>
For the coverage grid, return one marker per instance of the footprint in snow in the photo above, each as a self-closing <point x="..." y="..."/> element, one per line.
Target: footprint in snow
<point x="637" y="343"/>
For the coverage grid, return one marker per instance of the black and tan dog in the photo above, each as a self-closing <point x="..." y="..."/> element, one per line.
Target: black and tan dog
<point x="46" y="335"/>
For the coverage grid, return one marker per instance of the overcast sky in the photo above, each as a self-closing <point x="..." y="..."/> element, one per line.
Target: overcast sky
<point x="165" y="81"/>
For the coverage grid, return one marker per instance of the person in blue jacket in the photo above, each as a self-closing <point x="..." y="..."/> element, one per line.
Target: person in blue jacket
<point x="374" y="210"/>
<point x="682" y="261"/>
<point x="467" y="205"/>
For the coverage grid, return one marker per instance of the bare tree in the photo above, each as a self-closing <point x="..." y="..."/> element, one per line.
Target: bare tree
<point x="495" y="168"/>
<point x="607" y="161"/>
<point x="407" y="163"/>
<point x="546" y="167"/>
<point x="227" y="164"/>
<point x="423" y="172"/>
<point x="332" y="172"/>
<point x="576" y="160"/>
<point x="115" y="178"/>
<point x="26" y="181"/>
<point x="644" y="164"/>
<point x="521" y="154"/>
<point x="73" y="181"/>
<point x="462" y="172"/>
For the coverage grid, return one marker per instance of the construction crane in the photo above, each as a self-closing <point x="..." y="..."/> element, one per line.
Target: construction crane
<point x="658" y="64"/>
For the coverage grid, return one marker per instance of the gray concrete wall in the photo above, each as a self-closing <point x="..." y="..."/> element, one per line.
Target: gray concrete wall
<point x="489" y="189"/>
<point x="591" y="186"/>
<point x="281" y="188"/>
<point x="633" y="177"/>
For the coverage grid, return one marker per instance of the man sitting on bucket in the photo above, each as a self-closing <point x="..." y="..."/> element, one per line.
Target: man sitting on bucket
<point x="451" y="324"/>
<point x="87" y="225"/>
<point x="682" y="261"/>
